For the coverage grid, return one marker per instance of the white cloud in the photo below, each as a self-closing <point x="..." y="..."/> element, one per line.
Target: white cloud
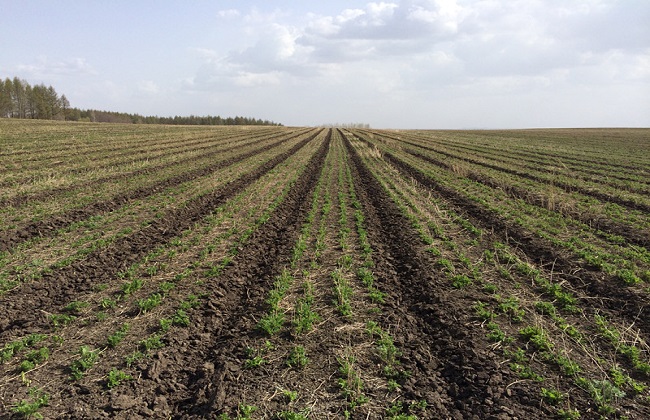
<point x="228" y="14"/>
<point x="248" y="79"/>
<point x="426" y="49"/>
<point x="148" y="87"/>
<point x="45" y="68"/>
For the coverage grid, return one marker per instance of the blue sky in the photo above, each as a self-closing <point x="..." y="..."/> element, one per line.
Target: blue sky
<point x="391" y="64"/>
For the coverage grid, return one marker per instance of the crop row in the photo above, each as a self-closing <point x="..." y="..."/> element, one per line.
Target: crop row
<point x="318" y="273"/>
<point x="548" y="331"/>
<point x="155" y="293"/>
<point x="607" y="251"/>
<point x="69" y="193"/>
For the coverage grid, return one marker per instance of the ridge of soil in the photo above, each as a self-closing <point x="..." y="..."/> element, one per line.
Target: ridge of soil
<point x="635" y="237"/>
<point x="191" y="376"/>
<point x="457" y="372"/>
<point x="564" y="186"/>
<point x="167" y="148"/>
<point x="45" y="228"/>
<point x="59" y="287"/>
<point x="617" y="299"/>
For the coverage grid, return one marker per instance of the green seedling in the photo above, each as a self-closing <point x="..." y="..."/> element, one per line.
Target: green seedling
<point x="132" y="286"/>
<point x="510" y="307"/>
<point x="297" y="357"/>
<point x="568" y="414"/>
<point x="133" y="357"/>
<point x="151" y="343"/>
<point x="165" y="324"/>
<point x="34" y="358"/>
<point x="460" y="281"/>
<point x="271" y="323"/>
<point x="150" y="303"/>
<point x="495" y="333"/>
<point x="305" y="317"/>
<point x="115" y="377"/>
<point x="289" y="395"/>
<point x="29" y="409"/>
<point x="552" y="396"/>
<point x="107" y="303"/>
<point x="181" y="318"/>
<point x="75" y="307"/>
<point x="87" y="358"/>
<point x="60" y="320"/>
<point x="116" y="338"/>
<point x="536" y="337"/>
<point x="291" y="415"/>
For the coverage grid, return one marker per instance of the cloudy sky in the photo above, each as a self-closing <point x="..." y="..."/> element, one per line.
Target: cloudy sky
<point x="391" y="64"/>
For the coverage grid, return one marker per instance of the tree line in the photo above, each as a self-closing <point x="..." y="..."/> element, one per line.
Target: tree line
<point x="93" y="115"/>
<point x="19" y="99"/>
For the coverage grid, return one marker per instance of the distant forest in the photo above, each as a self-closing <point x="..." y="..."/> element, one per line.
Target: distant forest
<point x="19" y="99"/>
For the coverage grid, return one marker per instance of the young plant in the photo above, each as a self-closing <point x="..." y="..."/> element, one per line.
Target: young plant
<point x="351" y="383"/>
<point x="245" y="411"/>
<point x="75" y="307"/>
<point x="483" y="312"/>
<point x="192" y="301"/>
<point x="149" y="303"/>
<point x="133" y="357"/>
<point x="603" y="392"/>
<point x="151" y="343"/>
<point x="343" y="291"/>
<point x="510" y="307"/>
<point x="305" y="318"/>
<point x="34" y="358"/>
<point x="460" y="281"/>
<point x="60" y="320"/>
<point x="495" y="334"/>
<point x="166" y="286"/>
<point x="255" y="358"/>
<point x="552" y="396"/>
<point x="181" y="319"/>
<point x="87" y="358"/>
<point x="116" y="377"/>
<point x="387" y="350"/>
<point x="291" y="415"/>
<point x="29" y="409"/>
<point x="271" y="323"/>
<point x="289" y="395"/>
<point x="537" y="337"/>
<point x="297" y="357"/>
<point x="132" y="286"/>
<point x="568" y="414"/>
<point x="165" y="324"/>
<point x="107" y="303"/>
<point x="392" y="385"/>
<point x="116" y="338"/>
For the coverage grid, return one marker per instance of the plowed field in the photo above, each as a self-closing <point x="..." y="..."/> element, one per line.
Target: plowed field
<point x="290" y="273"/>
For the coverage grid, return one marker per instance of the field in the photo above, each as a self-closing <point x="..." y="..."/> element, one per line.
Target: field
<point x="289" y="273"/>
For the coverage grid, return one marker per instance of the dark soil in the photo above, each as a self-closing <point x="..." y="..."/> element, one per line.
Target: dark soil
<point x="44" y="228"/>
<point x="446" y="359"/>
<point x="633" y="236"/>
<point x="612" y="296"/>
<point x="59" y="287"/>
<point x="454" y="368"/>
<point x="606" y="198"/>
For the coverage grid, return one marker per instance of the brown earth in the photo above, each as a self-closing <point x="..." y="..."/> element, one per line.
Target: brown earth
<point x="12" y="238"/>
<point x="60" y="286"/>
<point x="200" y="372"/>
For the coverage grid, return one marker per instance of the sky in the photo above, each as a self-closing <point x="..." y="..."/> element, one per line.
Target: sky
<point x="391" y="64"/>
